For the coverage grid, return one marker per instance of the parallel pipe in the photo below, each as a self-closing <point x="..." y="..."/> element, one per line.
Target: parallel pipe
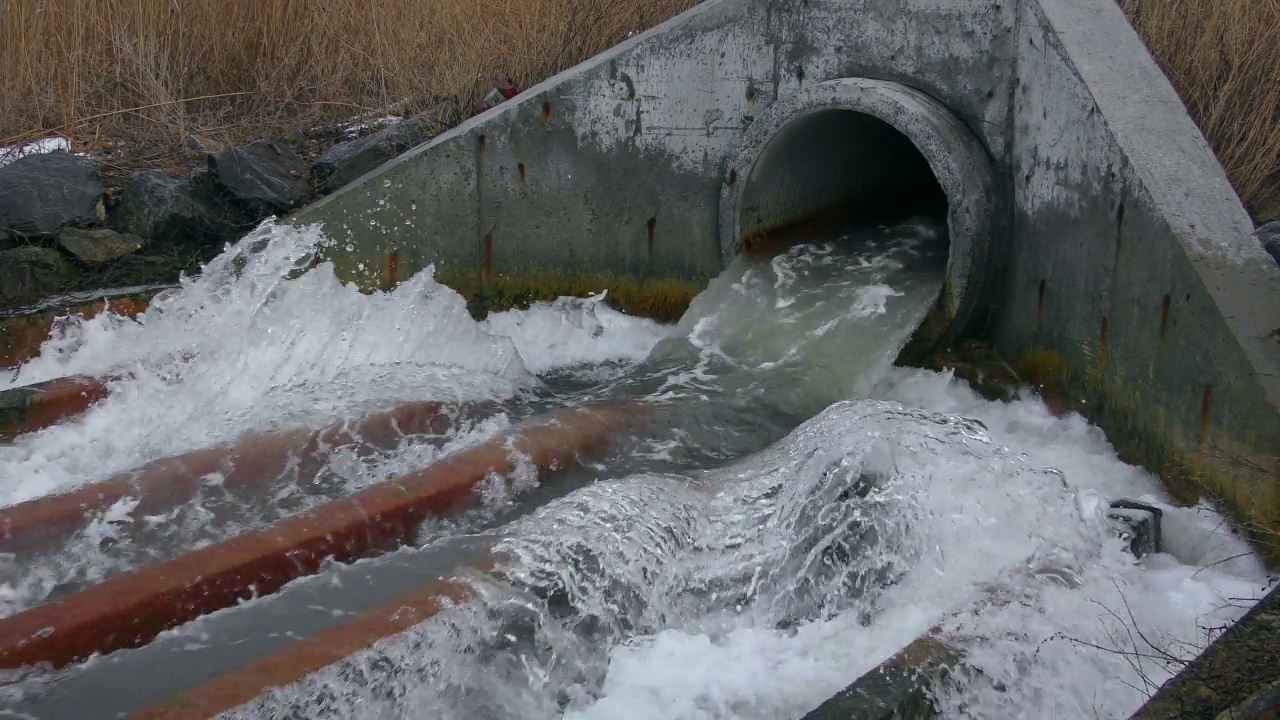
<point x="248" y="463"/>
<point x="33" y="407"/>
<point x="130" y="610"/>
<point x="22" y="332"/>
<point x="312" y="654"/>
<point x="901" y="687"/>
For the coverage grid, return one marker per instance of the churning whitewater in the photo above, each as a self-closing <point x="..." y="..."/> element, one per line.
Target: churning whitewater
<point x="802" y="511"/>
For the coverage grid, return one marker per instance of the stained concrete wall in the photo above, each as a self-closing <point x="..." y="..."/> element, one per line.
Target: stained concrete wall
<point x="1132" y="260"/>
<point x="615" y="167"/>
<point x="1095" y="238"/>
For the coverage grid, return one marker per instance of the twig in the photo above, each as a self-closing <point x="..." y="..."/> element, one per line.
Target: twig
<point x="79" y="121"/>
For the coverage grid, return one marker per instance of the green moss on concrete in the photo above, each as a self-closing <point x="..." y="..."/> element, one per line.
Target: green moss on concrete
<point x="975" y="363"/>
<point x="1191" y="468"/>
<point x="657" y="298"/>
<point x="664" y="300"/>
<point x="1223" y="469"/>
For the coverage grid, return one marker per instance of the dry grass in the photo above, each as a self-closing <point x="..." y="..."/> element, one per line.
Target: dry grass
<point x="1223" y="56"/>
<point x="235" y="70"/>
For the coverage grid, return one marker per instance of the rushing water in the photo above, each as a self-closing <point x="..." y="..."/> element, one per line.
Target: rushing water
<point x="803" y="511"/>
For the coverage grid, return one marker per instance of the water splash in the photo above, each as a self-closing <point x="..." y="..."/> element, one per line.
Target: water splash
<point x="757" y="590"/>
<point x="261" y="341"/>
<point x="809" y="510"/>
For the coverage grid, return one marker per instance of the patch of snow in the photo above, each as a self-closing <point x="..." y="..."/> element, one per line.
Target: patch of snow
<point x="53" y="143"/>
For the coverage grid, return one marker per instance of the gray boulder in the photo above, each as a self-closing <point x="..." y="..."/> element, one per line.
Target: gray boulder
<point x="348" y="161"/>
<point x="39" y="194"/>
<point x="29" y="273"/>
<point x="98" y="246"/>
<point x="263" y="176"/>
<point x="185" y="214"/>
<point x="200" y="144"/>
<point x="1269" y="236"/>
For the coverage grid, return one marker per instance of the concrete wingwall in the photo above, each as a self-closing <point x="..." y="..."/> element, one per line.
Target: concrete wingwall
<point x="1095" y="239"/>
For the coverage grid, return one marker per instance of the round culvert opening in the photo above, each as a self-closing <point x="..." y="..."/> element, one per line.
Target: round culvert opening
<point x="854" y="150"/>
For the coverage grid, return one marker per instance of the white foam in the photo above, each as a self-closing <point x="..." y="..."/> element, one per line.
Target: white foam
<point x="576" y="331"/>
<point x="978" y="505"/>
<point x="254" y="343"/>
<point x="747" y="673"/>
<point x="1058" y="651"/>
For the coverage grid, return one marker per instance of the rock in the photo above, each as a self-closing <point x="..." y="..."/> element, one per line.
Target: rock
<point x="263" y="176"/>
<point x="149" y="268"/>
<point x="1269" y="236"/>
<point x="42" y="193"/>
<point x="178" y="213"/>
<point x="200" y="144"/>
<point x="348" y="161"/>
<point x="29" y="273"/>
<point x="142" y="270"/>
<point x="98" y="246"/>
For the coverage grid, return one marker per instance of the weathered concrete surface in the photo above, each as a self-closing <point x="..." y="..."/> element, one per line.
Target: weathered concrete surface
<point x="898" y="688"/>
<point x="616" y="166"/>
<point x="1104" y="246"/>
<point x="1132" y="261"/>
<point x="1233" y="680"/>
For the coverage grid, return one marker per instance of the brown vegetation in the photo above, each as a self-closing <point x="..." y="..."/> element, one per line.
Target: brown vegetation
<point x="1223" y="56"/>
<point x="235" y="70"/>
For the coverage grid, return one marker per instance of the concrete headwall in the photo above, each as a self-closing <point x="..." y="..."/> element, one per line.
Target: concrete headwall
<point x="1095" y="239"/>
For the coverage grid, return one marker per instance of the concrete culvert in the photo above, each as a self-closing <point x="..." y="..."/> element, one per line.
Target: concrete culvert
<point x="856" y="150"/>
<point x="834" y="166"/>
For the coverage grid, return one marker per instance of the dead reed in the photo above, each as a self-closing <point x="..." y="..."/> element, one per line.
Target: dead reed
<point x="1223" y="57"/>
<point x="235" y="70"/>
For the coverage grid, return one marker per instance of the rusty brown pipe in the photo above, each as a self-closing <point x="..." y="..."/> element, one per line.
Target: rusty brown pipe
<point x="312" y="654"/>
<point x="131" y="609"/>
<point x="33" y="407"/>
<point x="249" y="463"/>
<point x="22" y="333"/>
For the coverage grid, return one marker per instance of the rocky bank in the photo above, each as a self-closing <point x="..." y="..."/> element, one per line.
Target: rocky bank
<point x="66" y="225"/>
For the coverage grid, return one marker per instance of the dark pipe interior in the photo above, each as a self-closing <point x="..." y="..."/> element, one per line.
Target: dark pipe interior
<point x="834" y="167"/>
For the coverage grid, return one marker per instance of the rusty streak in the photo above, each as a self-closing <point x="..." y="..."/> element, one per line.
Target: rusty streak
<point x="390" y="271"/>
<point x="1104" y="340"/>
<point x="488" y="259"/>
<point x="1164" y="318"/>
<point x="650" y="228"/>
<point x="1206" y="406"/>
<point x="1120" y="223"/>
<point x="1040" y="304"/>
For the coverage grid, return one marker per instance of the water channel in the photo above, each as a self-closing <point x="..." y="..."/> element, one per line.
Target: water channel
<point x="800" y="509"/>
